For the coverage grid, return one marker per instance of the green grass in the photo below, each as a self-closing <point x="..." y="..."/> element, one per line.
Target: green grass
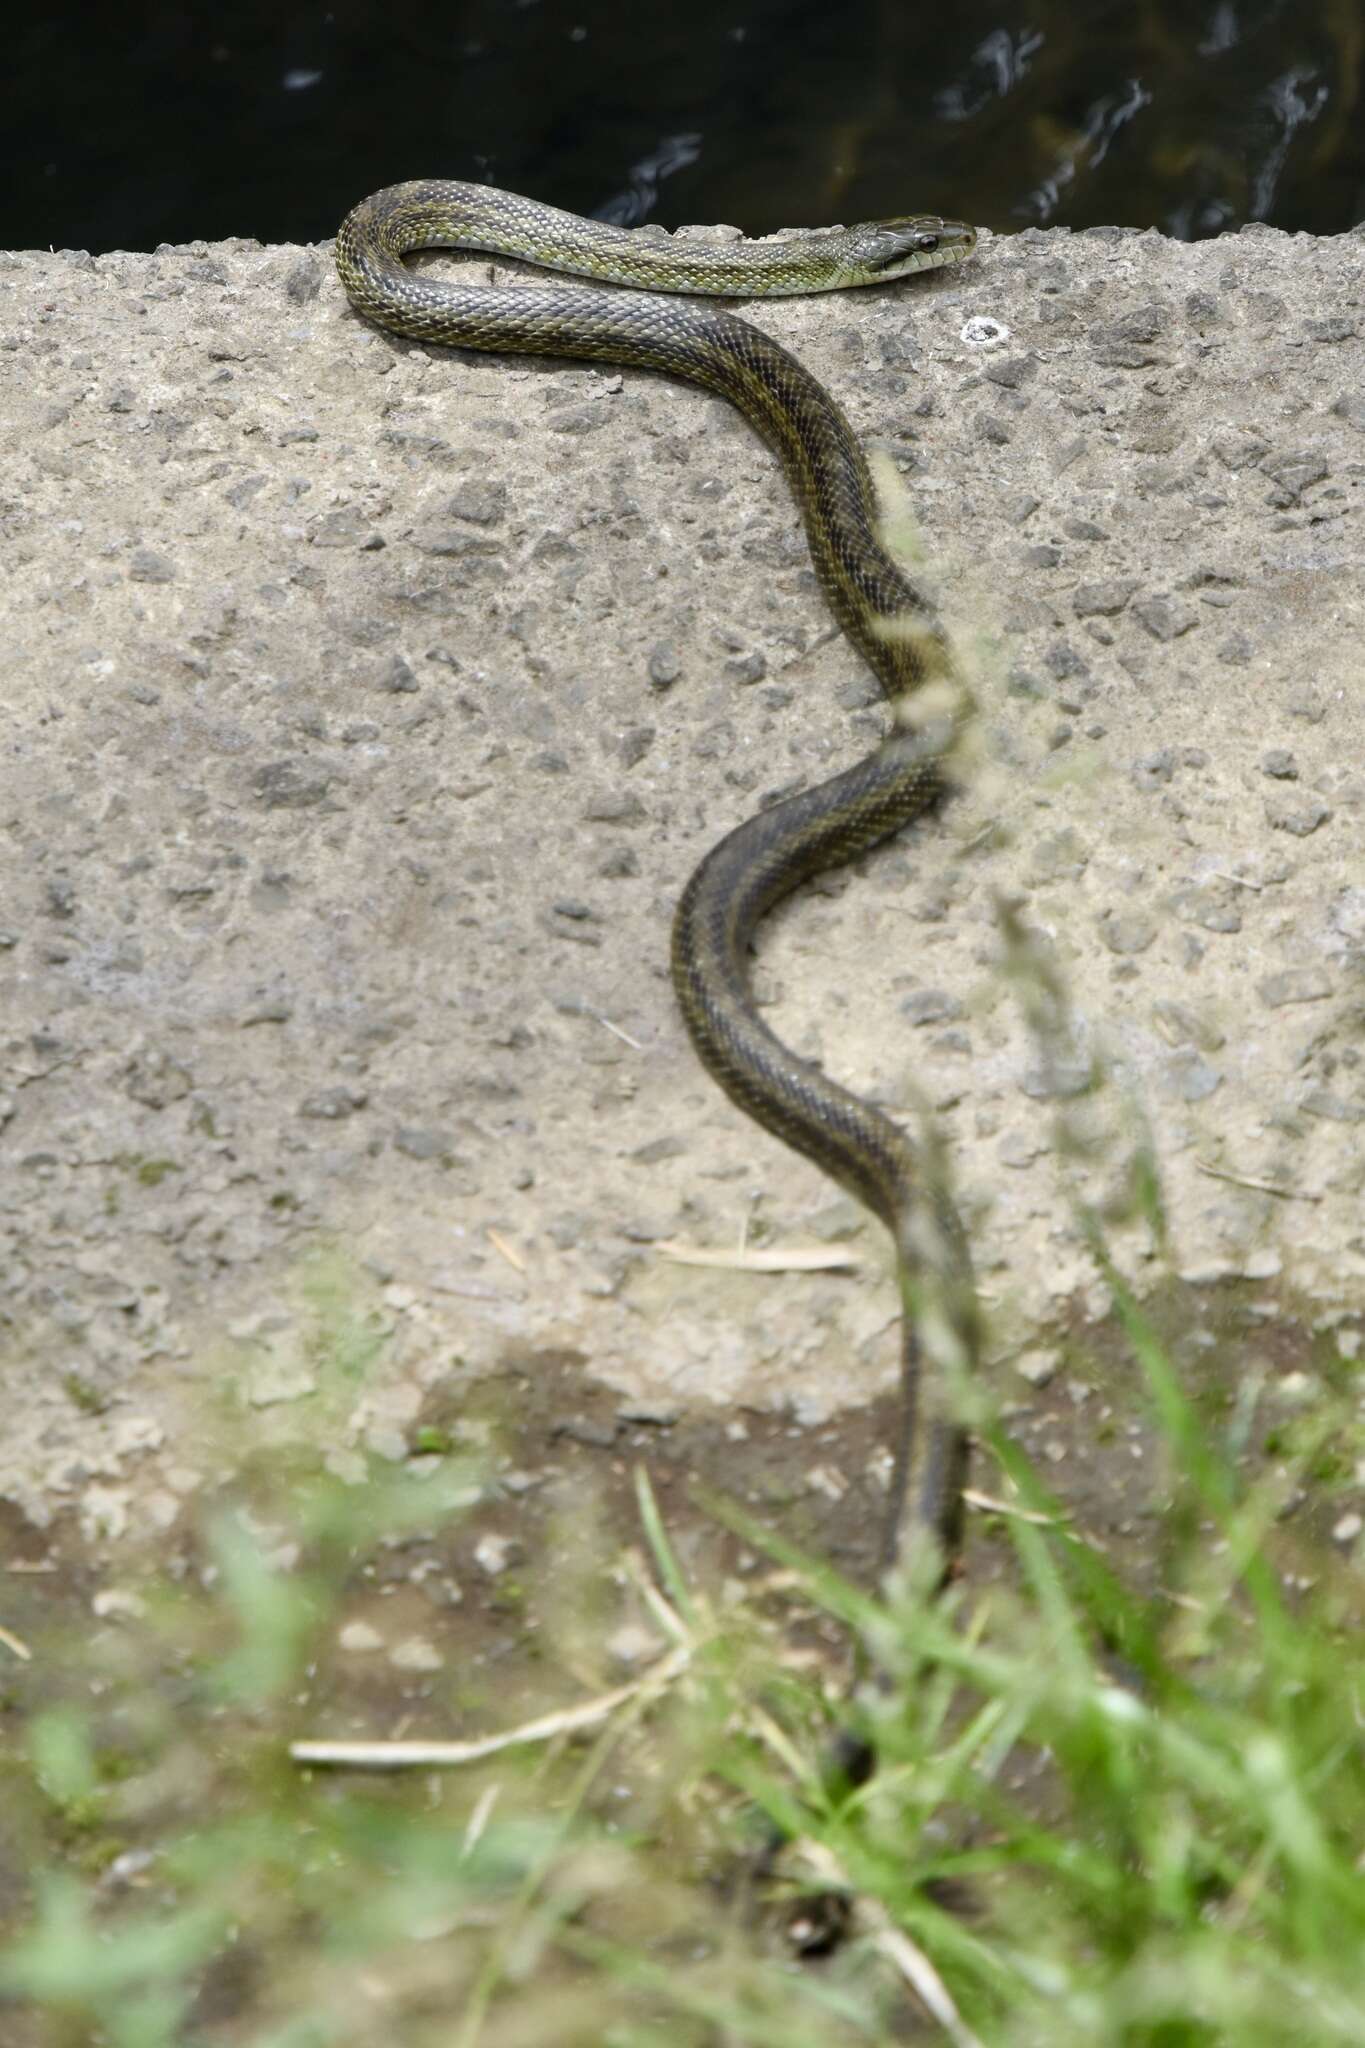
<point x="1103" y="1815"/>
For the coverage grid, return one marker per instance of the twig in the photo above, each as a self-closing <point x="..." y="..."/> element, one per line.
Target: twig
<point x="15" y="1643"/>
<point x="404" y="1756"/>
<point x="775" y="1259"/>
<point x="615" y="1029"/>
<point x="470" y="1292"/>
<point x="505" y="1250"/>
<point x="478" y="1819"/>
<point x="992" y="1506"/>
<point x="1265" y="1187"/>
<point x="924" y="1980"/>
<point x="905" y="1957"/>
<point x="1241" y="881"/>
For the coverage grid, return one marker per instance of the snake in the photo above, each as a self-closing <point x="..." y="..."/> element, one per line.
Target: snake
<point x="663" y="320"/>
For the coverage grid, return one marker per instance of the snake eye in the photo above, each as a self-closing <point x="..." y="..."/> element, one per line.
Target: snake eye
<point x="926" y="243"/>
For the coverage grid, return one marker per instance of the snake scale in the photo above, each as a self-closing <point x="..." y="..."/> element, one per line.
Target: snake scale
<point x="878" y="608"/>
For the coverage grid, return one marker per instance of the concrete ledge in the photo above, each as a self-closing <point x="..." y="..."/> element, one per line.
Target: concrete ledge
<point x="367" y="710"/>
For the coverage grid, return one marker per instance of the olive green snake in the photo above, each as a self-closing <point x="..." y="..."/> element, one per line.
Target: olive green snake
<point x="878" y="608"/>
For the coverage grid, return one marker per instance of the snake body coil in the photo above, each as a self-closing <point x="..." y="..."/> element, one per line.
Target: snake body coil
<point x="878" y="608"/>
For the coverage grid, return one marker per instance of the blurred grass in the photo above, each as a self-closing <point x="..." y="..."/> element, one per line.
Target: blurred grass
<point x="1103" y="1815"/>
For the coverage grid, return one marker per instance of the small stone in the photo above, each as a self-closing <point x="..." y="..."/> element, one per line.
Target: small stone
<point x="665" y="666"/>
<point x="633" y="1644"/>
<point x="930" y="1006"/>
<point x="1235" y="651"/>
<point x="399" y="678"/>
<point x="828" y="1481"/>
<point x="449" y="544"/>
<point x="345" y="527"/>
<point x="1280" y="764"/>
<point x="1236" y="450"/>
<point x="1210" y="905"/>
<point x="1038" y="1367"/>
<point x="1187" y="1077"/>
<point x="1060" y="857"/>
<point x="154" y="1079"/>
<point x="1346" y="915"/>
<point x="416" y="1654"/>
<point x="146" y="566"/>
<point x="579" y="419"/>
<point x="619" y="864"/>
<point x="493" y="1554"/>
<point x="1332" y="327"/>
<point x="615" y="807"/>
<point x="286" y="785"/>
<point x="303" y="280"/>
<point x="1127" y="932"/>
<point x="104" y="1513"/>
<point x="1018" y="1149"/>
<point x="649" y="1413"/>
<point x="420" y="1142"/>
<point x="117" y="1603"/>
<point x="267" y="1009"/>
<point x="1294" y="985"/>
<point x="1060" y="1079"/>
<point x="1061" y="660"/>
<point x="746" y="668"/>
<point x="585" y="1430"/>
<point x="1347" y="1528"/>
<point x="359" y="1638"/>
<point x="1181" y="1025"/>
<point x="1333" y="1108"/>
<point x="273" y="1382"/>
<point x="1102" y="600"/>
<point x="481" y="503"/>
<point x="328" y="1105"/>
<point x="1294" y="473"/>
<point x="1165" y="618"/>
<point x="655" y="1150"/>
<point x="1153" y="771"/>
<point x="130" y="1435"/>
<point x="1010" y="371"/>
<point x="241" y="494"/>
<point x="1299" y="818"/>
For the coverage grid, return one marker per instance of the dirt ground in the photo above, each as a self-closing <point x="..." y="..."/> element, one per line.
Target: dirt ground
<point x="368" y="708"/>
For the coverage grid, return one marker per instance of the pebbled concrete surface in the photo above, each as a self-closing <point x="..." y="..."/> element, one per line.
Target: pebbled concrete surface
<point x="367" y="709"/>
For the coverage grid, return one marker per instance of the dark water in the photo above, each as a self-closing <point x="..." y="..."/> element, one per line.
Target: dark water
<point x="135" y="125"/>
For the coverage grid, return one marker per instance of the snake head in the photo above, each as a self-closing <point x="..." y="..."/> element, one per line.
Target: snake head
<point x="916" y="241"/>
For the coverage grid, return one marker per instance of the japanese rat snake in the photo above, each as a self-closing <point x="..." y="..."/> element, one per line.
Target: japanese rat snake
<point x="882" y="613"/>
